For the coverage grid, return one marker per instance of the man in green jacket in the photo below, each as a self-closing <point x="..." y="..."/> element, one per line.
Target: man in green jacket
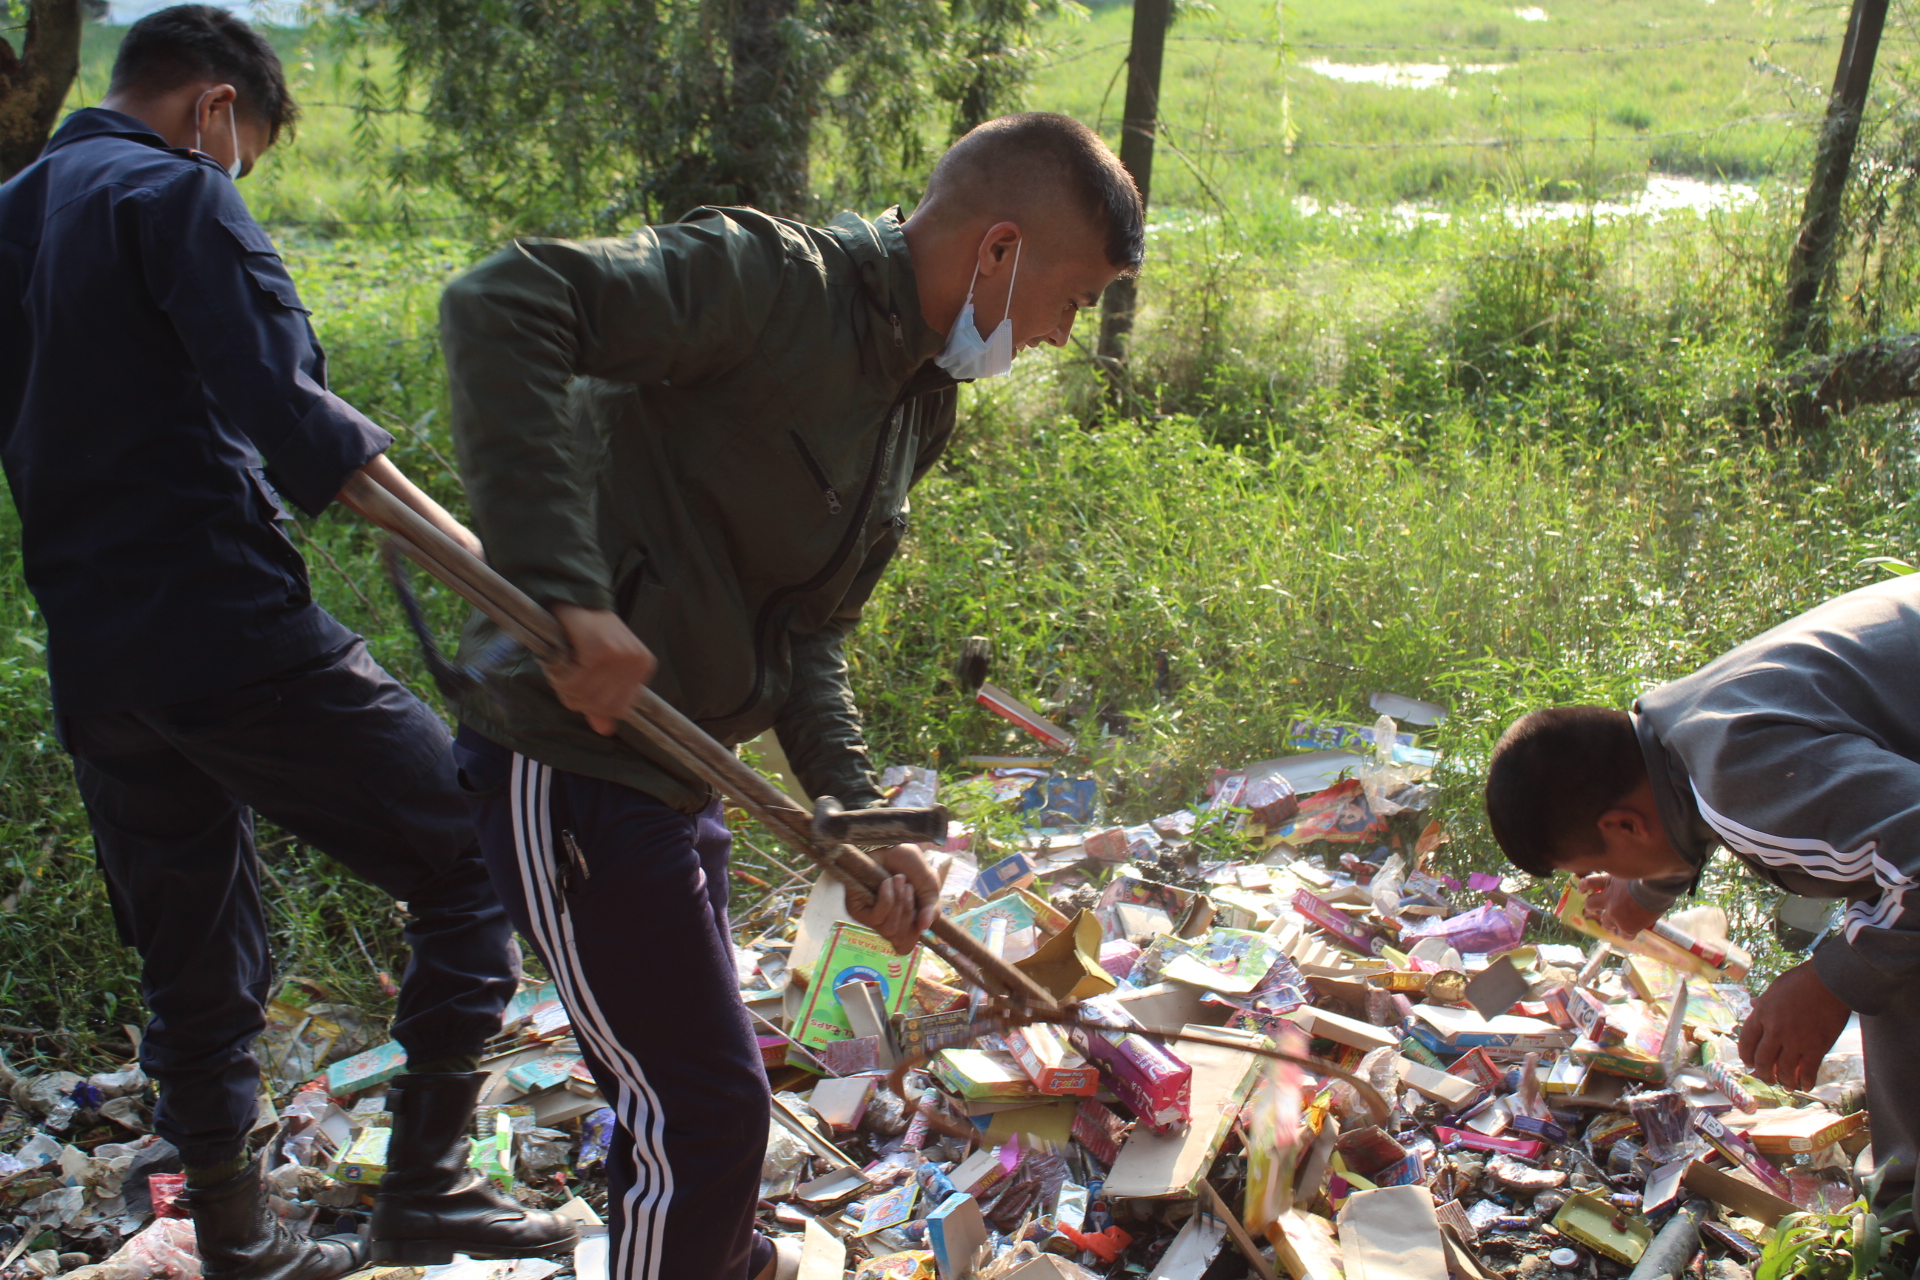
<point x="694" y="445"/>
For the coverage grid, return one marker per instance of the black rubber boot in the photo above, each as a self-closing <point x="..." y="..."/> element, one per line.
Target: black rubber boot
<point x="241" y="1238"/>
<point x="431" y="1205"/>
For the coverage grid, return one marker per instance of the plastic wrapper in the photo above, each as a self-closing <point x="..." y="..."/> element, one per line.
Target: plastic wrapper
<point x="596" y="1138"/>
<point x="886" y="1114"/>
<point x="49" y="1098"/>
<point x="1386" y="886"/>
<point x="164" y="1251"/>
<point x="784" y="1164"/>
<point x="118" y="1084"/>
<point x="1486" y="928"/>
<point x="543" y="1150"/>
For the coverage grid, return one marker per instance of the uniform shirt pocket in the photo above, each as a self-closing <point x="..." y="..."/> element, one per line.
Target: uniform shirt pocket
<point x="262" y="262"/>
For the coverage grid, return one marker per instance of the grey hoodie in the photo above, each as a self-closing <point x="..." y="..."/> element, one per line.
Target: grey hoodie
<point x="1799" y="752"/>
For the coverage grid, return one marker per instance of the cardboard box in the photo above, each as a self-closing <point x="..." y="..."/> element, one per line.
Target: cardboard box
<point x="982" y="1074"/>
<point x="1340" y="1029"/>
<point x="376" y="1066"/>
<point x="851" y="953"/>
<point x="1443" y="1087"/>
<point x="1786" y="1131"/>
<point x="1149" y="1079"/>
<point x="1067" y="965"/>
<point x="1173" y="1164"/>
<point x="1458" y="1028"/>
<point x="1350" y="932"/>
<point x="1049" y="1063"/>
<point x="365" y="1162"/>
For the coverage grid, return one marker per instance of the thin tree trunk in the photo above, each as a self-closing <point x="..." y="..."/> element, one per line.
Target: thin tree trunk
<point x="34" y="82"/>
<point x="764" y="154"/>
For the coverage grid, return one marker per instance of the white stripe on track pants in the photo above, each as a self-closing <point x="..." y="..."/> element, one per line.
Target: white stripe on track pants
<point x="624" y="898"/>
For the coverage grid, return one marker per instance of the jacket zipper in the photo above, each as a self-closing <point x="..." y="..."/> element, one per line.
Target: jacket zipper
<point x="832" y="566"/>
<point x="819" y="472"/>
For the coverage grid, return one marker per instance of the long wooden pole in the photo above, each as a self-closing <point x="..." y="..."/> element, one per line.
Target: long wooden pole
<point x="678" y="738"/>
<point x="1832" y="163"/>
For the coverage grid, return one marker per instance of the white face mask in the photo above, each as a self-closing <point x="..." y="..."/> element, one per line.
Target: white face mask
<point x="233" y="131"/>
<point x="967" y="355"/>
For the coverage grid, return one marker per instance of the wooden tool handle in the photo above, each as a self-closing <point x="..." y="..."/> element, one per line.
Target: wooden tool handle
<point x="679" y="738"/>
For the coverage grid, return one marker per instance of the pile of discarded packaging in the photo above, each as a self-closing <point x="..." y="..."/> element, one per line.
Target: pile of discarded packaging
<point x="1321" y="1056"/>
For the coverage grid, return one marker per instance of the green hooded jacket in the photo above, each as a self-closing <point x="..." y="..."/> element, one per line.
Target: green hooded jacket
<point x="710" y="428"/>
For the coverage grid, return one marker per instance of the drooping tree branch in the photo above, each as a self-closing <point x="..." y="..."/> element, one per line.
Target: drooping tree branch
<point x="1880" y="372"/>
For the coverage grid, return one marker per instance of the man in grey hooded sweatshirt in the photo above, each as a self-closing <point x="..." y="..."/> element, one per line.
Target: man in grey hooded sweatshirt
<point x="1799" y="753"/>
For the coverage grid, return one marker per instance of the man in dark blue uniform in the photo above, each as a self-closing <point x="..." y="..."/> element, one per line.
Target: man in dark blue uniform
<point x="162" y="400"/>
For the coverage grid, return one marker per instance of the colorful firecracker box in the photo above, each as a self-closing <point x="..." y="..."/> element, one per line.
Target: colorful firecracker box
<point x="1049" y="1063"/>
<point x="1008" y="707"/>
<point x="365" y="1162"/>
<point x="1106" y="846"/>
<point x="1793" y="1131"/>
<point x="851" y="954"/>
<point x="1015" y="871"/>
<point x="773" y="1051"/>
<point x="1528" y="1148"/>
<point x="1342" y="926"/>
<point x="1620" y="1061"/>
<point x="1412" y="1048"/>
<point x="365" y="1070"/>
<point x="545" y="1072"/>
<point x="1478" y="1065"/>
<point x="1448" y="1027"/>
<point x="925" y="1036"/>
<point x="1402" y="1173"/>
<point x="1127" y="888"/>
<point x="986" y="1168"/>
<point x="982" y="1075"/>
<point x="1098" y="1129"/>
<point x="1740" y="1152"/>
<point x="1151" y="1081"/>
<point x="1532" y="1127"/>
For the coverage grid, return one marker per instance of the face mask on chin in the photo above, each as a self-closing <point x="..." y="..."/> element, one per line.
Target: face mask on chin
<point x="233" y="131"/>
<point x="967" y="355"/>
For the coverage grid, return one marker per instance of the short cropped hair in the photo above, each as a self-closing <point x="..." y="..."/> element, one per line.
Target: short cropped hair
<point x="171" y="47"/>
<point x="1021" y="152"/>
<point x="1554" y="772"/>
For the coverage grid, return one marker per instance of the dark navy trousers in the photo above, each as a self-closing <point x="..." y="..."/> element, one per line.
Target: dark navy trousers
<point x="343" y="757"/>
<point x="625" y="899"/>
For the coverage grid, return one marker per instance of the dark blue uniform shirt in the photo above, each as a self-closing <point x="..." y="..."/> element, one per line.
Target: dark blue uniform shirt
<point x="160" y="388"/>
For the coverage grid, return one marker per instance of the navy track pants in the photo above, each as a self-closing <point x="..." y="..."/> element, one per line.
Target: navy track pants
<point x="625" y="899"/>
<point x="341" y="755"/>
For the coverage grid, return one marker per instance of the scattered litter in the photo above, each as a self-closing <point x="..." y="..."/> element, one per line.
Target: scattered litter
<point x="1293" y="1043"/>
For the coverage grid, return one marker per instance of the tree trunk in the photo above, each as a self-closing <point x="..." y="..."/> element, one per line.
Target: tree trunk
<point x="34" y="82"/>
<point x="1881" y="372"/>
<point x="763" y="152"/>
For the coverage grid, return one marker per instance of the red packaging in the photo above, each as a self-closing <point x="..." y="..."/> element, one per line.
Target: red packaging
<point x="165" y="1188"/>
<point x="1099" y="1130"/>
<point x="1478" y="1065"/>
<point x="1468" y="1138"/>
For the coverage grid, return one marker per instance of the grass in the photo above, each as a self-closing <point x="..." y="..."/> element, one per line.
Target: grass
<point x="1490" y="459"/>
